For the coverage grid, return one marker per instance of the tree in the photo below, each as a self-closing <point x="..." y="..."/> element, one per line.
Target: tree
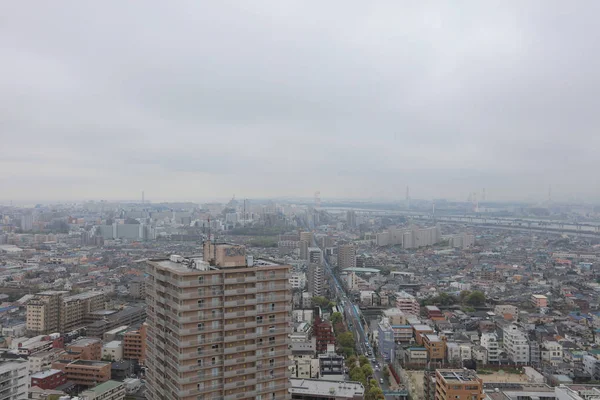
<point x="363" y="360"/>
<point x="374" y="393"/>
<point x="476" y="298"/>
<point x="336" y="317"/>
<point x="367" y="369"/>
<point x="463" y="295"/>
<point x="346" y="339"/>
<point x="351" y="361"/>
<point x="348" y="351"/>
<point x="356" y="374"/>
<point x="386" y="373"/>
<point x="320" y="301"/>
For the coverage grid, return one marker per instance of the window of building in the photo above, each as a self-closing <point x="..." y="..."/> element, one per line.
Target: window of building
<point x="200" y="326"/>
<point x="201" y="279"/>
<point x="200" y="302"/>
<point x="215" y="371"/>
<point x="272" y="306"/>
<point x="271" y="318"/>
<point x="259" y="320"/>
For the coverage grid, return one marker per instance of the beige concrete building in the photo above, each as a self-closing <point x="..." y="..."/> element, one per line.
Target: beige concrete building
<point x="346" y="256"/>
<point x="55" y="311"/>
<point x="43" y="312"/>
<point x="75" y="308"/>
<point x="461" y="384"/>
<point x="217" y="327"/>
<point x="109" y="390"/>
<point x="307" y="237"/>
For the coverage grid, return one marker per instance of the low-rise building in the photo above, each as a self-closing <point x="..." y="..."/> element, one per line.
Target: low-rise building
<point x="134" y="344"/>
<point x="436" y="347"/>
<point x="113" y="351"/>
<point x="109" y="390"/>
<point x="84" y="372"/>
<point x="48" y="379"/>
<point x="461" y="384"/>
<point x="313" y="389"/>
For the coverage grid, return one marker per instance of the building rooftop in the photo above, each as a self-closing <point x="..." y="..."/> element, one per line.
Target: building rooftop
<point x="320" y="387"/>
<point x="45" y="374"/>
<point x="89" y="363"/>
<point x="84" y="342"/>
<point x="83" y="296"/>
<point x="113" y="344"/>
<point x="363" y="270"/>
<point x="460" y="375"/>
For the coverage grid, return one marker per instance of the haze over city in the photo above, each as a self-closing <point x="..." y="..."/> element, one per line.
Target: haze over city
<point x="196" y="100"/>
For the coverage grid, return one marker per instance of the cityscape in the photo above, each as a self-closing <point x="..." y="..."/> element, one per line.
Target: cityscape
<point x="253" y="299"/>
<point x="292" y="200"/>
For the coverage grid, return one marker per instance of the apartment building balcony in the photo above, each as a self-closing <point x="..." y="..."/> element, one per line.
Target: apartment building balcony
<point x="240" y="302"/>
<point x="244" y="279"/>
<point x="270" y="288"/>
<point x="238" y="349"/>
<point x="234" y="338"/>
<point x="240" y="314"/>
<point x="271" y="354"/>
<point x="239" y="384"/>
<point x="278" y="364"/>
<point x="240" y="291"/>
<point x="240" y="371"/>
<point x="248" y="394"/>
<point x="239" y="360"/>
<point x="265" y="321"/>
<point x="269" y="277"/>
<point x="274" y="388"/>
<point x="279" y="308"/>
<point x="241" y="325"/>
<point x="273" y="299"/>
<point x="208" y="293"/>
<point x="271" y="332"/>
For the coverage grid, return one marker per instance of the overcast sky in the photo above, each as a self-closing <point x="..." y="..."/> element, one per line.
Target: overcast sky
<point x="193" y="100"/>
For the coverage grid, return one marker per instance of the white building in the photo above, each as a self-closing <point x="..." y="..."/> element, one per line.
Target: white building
<point x="113" y="350"/>
<point x="552" y="352"/>
<point x="516" y="345"/>
<point x="407" y="303"/>
<point x="14" y="380"/>
<point x="589" y="365"/>
<point x="489" y="341"/>
<point x="298" y="280"/>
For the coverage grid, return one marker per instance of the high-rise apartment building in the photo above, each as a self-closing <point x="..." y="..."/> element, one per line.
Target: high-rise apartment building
<point x="75" y="308"/>
<point x="55" y="311"/>
<point x="346" y="256"/>
<point x="461" y="384"/>
<point x="410" y="238"/>
<point x="218" y="328"/>
<point x="43" y="312"/>
<point x="27" y="222"/>
<point x="134" y="344"/>
<point x="351" y="219"/>
<point x="316" y="280"/>
<point x="516" y="344"/>
<point x="14" y="379"/>
<point x="307" y="237"/>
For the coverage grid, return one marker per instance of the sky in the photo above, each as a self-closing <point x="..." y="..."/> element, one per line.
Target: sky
<point x="193" y="100"/>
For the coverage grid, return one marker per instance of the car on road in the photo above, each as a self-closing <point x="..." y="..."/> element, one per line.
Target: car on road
<point x="381" y="380"/>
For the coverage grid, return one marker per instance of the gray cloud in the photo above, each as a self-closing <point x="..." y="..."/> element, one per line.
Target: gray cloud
<point x="194" y="100"/>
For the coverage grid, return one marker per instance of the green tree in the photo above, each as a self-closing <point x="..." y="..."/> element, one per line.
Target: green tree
<point x="356" y="374"/>
<point x="336" y="317"/>
<point x="476" y="298"/>
<point x="463" y="295"/>
<point x="346" y="339"/>
<point x="348" y="352"/>
<point x="320" y="301"/>
<point x="367" y="369"/>
<point x="374" y="393"/>
<point x="363" y="360"/>
<point x="351" y="361"/>
<point x="386" y="373"/>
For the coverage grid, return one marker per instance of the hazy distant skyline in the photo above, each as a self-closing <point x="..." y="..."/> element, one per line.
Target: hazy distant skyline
<point x="197" y="100"/>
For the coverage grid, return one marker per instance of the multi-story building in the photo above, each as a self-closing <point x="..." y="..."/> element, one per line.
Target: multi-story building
<point x="127" y="316"/>
<point x="323" y="332"/>
<point x="84" y="372"/>
<point x="410" y="238"/>
<point x="217" y="328"/>
<point x="74" y="309"/>
<point x="298" y="280"/>
<point x="48" y="379"/>
<point x="346" y="256"/>
<point x="14" y="379"/>
<point x="552" y="352"/>
<point x="315" y="255"/>
<point x="306" y="237"/>
<point x="516" y="345"/>
<point x="137" y="288"/>
<point x="43" y="360"/>
<point x="407" y="303"/>
<point x="314" y="389"/>
<point x="462" y="384"/>
<point x="331" y="364"/>
<point x="386" y="339"/>
<point x="462" y="240"/>
<point x="351" y="219"/>
<point x="539" y="300"/>
<point x="316" y="279"/>
<point x="489" y="341"/>
<point x="134" y="344"/>
<point x="109" y="390"/>
<point x="84" y="349"/>
<point x="43" y="312"/>
<point x="113" y="351"/>
<point x="436" y="347"/>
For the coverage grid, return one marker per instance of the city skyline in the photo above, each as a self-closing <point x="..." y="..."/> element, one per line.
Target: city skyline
<point x="275" y="99"/>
